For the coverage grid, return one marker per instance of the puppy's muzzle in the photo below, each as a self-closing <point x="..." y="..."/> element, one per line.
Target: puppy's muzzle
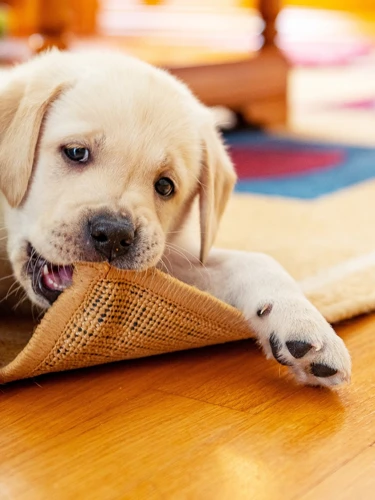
<point x="111" y="236"/>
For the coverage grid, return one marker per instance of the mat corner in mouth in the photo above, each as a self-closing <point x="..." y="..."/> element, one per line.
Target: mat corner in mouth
<point x="111" y="315"/>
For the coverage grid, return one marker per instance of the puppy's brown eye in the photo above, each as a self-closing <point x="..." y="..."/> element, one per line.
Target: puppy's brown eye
<point x="164" y="187"/>
<point x="77" y="154"/>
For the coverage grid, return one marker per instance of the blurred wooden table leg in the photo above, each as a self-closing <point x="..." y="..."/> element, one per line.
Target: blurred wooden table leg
<point x="269" y="10"/>
<point x="256" y="88"/>
<point x="272" y="109"/>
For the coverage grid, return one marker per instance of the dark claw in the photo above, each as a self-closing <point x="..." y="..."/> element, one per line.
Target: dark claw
<point x="265" y="310"/>
<point x="322" y="371"/>
<point x="297" y="348"/>
<point x="275" y="347"/>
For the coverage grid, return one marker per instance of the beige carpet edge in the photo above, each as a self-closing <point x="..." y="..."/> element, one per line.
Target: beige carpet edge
<point x="344" y="291"/>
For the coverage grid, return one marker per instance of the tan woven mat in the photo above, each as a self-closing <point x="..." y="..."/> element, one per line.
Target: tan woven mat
<point x="327" y="244"/>
<point x="110" y="315"/>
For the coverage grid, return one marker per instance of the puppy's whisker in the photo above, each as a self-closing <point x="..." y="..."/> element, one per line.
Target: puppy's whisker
<point x="21" y="301"/>
<point x="164" y="265"/>
<point x="40" y="313"/>
<point x="10" y="289"/>
<point x="39" y="267"/>
<point x="181" y="254"/>
<point x="39" y="275"/>
<point x="11" y="292"/>
<point x="7" y="277"/>
<point x="169" y="269"/>
<point x="194" y="262"/>
<point x="183" y="251"/>
<point x="30" y="260"/>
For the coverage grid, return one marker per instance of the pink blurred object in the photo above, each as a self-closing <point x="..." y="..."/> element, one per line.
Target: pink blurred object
<point x="360" y="105"/>
<point x="325" y="53"/>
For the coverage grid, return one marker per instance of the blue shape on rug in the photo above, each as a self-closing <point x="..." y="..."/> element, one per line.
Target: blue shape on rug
<point x="281" y="166"/>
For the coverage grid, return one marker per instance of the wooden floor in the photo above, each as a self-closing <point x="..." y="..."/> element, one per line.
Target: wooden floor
<point x="216" y="423"/>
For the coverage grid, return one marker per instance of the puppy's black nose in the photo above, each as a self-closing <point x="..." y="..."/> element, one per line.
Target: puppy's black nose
<point x="111" y="236"/>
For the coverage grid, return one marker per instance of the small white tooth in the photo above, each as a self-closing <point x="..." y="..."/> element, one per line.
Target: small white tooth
<point x="45" y="270"/>
<point x="52" y="283"/>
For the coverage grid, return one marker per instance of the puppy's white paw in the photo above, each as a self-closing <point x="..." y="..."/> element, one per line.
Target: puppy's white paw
<point x="293" y="332"/>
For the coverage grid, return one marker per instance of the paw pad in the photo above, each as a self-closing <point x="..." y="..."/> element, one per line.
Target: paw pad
<point x="322" y="371"/>
<point x="297" y="348"/>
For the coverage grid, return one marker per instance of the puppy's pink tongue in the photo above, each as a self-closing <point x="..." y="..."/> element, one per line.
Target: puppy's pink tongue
<point x="57" y="277"/>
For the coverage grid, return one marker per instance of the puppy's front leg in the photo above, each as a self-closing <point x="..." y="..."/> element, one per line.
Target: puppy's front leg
<point x="288" y="327"/>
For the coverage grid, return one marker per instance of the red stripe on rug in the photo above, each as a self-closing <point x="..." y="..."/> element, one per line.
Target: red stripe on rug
<point x="255" y="163"/>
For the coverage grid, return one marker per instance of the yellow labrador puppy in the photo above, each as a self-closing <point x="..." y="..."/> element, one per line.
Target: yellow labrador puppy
<point x="102" y="158"/>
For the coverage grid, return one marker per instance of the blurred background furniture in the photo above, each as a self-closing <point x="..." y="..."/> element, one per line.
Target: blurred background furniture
<point x="255" y="87"/>
<point x="228" y="51"/>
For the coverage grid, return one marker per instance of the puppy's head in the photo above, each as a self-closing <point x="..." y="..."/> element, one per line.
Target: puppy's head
<point x="101" y="158"/>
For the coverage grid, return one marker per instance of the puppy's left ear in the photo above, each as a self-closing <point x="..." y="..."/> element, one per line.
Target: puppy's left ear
<point x="216" y="184"/>
<point x="23" y="104"/>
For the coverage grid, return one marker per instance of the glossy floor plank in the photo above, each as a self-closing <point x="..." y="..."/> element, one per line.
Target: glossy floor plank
<point x="216" y="423"/>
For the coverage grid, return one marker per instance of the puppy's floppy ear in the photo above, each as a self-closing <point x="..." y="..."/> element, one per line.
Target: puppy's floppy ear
<point x="23" y="104"/>
<point x="216" y="183"/>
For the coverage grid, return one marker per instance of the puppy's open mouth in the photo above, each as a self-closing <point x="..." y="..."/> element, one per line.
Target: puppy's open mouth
<point x="48" y="280"/>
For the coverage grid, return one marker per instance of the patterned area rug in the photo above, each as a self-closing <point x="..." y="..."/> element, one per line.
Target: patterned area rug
<point x="281" y="166"/>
